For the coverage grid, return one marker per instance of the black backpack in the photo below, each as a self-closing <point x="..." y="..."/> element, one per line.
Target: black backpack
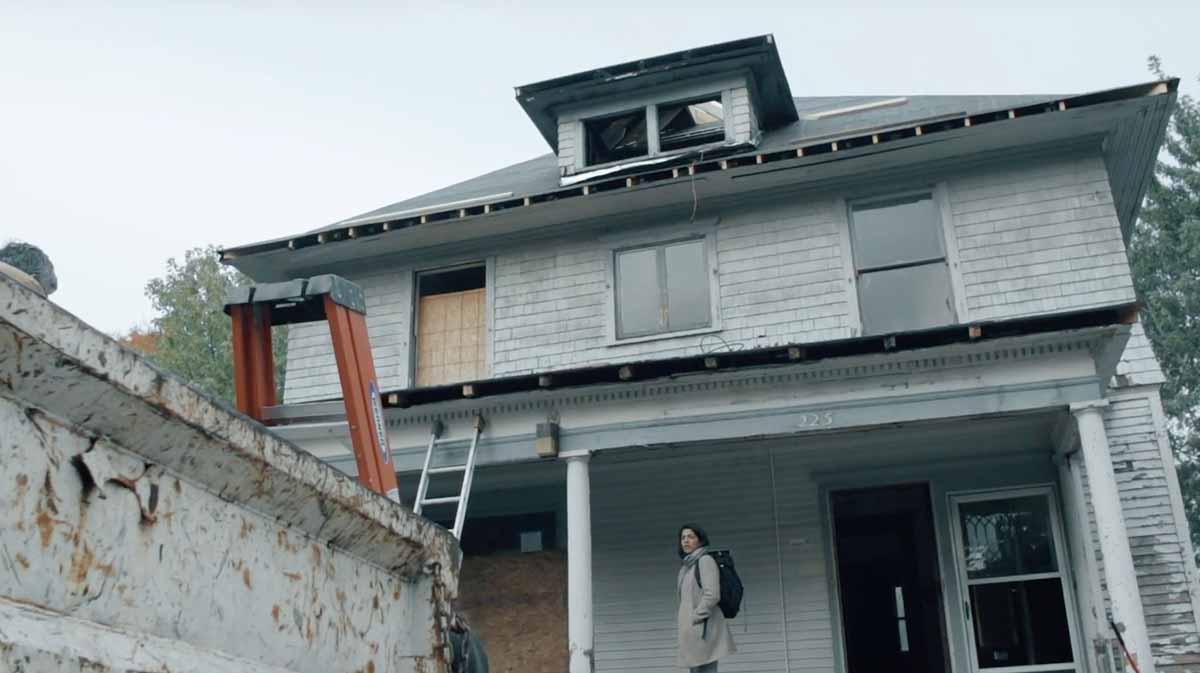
<point x="731" y="584"/>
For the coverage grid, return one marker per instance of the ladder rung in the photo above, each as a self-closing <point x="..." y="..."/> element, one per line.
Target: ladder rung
<point x="440" y="501"/>
<point x="448" y="468"/>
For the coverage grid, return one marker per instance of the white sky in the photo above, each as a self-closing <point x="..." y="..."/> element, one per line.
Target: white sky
<point x="128" y="136"/>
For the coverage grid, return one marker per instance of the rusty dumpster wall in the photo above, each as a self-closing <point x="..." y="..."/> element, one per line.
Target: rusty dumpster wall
<point x="147" y="527"/>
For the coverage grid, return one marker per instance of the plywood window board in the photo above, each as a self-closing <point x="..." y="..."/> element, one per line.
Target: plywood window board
<point x="451" y="342"/>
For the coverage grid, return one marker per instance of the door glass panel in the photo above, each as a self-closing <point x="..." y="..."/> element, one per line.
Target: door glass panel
<point x="899" y="300"/>
<point x="1020" y="623"/>
<point x="896" y="231"/>
<point x="1008" y="537"/>
<point x="639" y="301"/>
<point x="687" y="286"/>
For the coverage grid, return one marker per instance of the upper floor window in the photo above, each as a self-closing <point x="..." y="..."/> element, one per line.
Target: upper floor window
<point x="900" y="262"/>
<point x="451" y="326"/>
<point x="653" y="129"/>
<point x="662" y="288"/>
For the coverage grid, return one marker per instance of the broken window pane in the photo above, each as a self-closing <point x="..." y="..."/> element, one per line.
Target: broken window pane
<point x="616" y="137"/>
<point x="687" y="286"/>
<point x="897" y="231"/>
<point x="904" y="299"/>
<point x="691" y="123"/>
<point x="1020" y="623"/>
<point x="639" y="299"/>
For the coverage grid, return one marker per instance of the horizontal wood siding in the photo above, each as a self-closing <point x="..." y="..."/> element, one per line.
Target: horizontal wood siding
<point x="1039" y="237"/>
<point x="1162" y="558"/>
<point x="636" y="511"/>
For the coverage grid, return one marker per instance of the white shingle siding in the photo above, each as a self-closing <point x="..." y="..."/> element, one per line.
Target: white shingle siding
<point x="569" y="146"/>
<point x="1138" y="366"/>
<point x="745" y="127"/>
<point x="780" y="281"/>
<point x="311" y="369"/>
<point x="1034" y="237"/>
<point x="1039" y="237"/>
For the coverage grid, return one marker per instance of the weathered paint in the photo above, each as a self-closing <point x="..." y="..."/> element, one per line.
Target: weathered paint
<point x="1032" y="235"/>
<point x="146" y="526"/>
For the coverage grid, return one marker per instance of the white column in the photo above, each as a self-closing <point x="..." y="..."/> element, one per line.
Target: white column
<point x="1119" y="574"/>
<point x="579" y="564"/>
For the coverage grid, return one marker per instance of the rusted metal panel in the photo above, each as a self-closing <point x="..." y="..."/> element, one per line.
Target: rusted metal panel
<point x="146" y="526"/>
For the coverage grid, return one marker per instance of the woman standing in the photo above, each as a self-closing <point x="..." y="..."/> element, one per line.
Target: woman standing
<point x="703" y="634"/>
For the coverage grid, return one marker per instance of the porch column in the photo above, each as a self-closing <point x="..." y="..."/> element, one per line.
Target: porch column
<point x="579" y="565"/>
<point x="1119" y="574"/>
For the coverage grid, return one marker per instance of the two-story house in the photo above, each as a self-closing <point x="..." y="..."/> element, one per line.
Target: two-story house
<point x="885" y="349"/>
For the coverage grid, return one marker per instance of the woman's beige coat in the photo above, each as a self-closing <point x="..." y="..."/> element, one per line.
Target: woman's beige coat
<point x="697" y="645"/>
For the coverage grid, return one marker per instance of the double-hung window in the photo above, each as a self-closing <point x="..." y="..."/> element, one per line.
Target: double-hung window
<point x="900" y="263"/>
<point x="662" y="288"/>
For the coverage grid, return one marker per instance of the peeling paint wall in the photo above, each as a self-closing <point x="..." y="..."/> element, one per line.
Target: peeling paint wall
<point x="144" y="526"/>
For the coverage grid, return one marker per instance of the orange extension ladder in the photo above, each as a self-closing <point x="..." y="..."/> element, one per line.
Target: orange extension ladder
<point x="257" y="308"/>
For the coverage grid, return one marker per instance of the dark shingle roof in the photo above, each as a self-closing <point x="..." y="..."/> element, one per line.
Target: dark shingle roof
<point x="540" y="174"/>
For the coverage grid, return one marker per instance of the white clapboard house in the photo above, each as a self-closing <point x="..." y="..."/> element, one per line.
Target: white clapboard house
<point x="884" y="348"/>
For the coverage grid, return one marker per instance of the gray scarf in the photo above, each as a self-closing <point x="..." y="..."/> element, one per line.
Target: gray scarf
<point x="694" y="557"/>
<point x="688" y="563"/>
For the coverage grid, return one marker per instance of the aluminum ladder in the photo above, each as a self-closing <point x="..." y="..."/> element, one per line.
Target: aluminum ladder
<point x="468" y="470"/>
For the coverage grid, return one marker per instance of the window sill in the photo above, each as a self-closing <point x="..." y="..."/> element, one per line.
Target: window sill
<point x="665" y="335"/>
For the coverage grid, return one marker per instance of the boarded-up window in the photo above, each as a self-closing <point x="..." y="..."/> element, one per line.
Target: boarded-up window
<point x="664" y="288"/>
<point x="903" y="280"/>
<point x="451" y="327"/>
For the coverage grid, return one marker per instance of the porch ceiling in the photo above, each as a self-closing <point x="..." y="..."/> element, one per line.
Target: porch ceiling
<point x="891" y="445"/>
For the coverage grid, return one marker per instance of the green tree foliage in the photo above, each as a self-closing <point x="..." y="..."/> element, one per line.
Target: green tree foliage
<point x="1165" y="253"/>
<point x="194" y="337"/>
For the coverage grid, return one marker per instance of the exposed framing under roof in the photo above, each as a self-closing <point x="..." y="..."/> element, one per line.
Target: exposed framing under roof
<point x="686" y="165"/>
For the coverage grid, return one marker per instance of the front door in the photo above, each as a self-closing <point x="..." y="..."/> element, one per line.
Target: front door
<point x="888" y="580"/>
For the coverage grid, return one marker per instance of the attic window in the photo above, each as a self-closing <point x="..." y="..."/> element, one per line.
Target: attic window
<point x="616" y="137"/>
<point x="691" y="123"/>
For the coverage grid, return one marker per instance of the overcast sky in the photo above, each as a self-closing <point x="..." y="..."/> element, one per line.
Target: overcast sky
<point x="128" y="136"/>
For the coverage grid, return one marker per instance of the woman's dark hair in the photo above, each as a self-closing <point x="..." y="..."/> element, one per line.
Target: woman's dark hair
<point x="700" y="535"/>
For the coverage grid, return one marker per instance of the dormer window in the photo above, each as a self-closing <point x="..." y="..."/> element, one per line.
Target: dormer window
<point x="616" y="137"/>
<point x="691" y="123"/>
<point x="654" y="129"/>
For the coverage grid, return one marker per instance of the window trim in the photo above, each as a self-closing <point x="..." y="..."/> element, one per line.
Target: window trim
<point x="413" y="276"/>
<point x="718" y="86"/>
<point x="706" y="234"/>
<point x="1065" y="573"/>
<point x="945" y="236"/>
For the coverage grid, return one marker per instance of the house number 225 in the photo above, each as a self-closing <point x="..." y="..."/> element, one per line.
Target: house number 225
<point x="819" y="419"/>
